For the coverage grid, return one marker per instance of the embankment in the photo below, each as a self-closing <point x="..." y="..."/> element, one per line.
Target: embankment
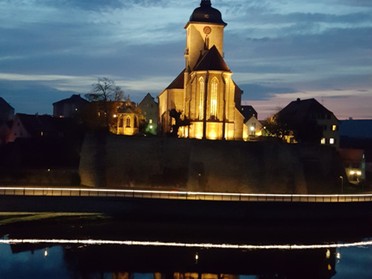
<point x="197" y="165"/>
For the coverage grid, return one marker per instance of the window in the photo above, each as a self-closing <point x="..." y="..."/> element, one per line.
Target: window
<point x="127" y="122"/>
<point x="201" y="98"/>
<point x="214" y="91"/>
<point x="135" y="122"/>
<point x="331" y="141"/>
<point x="323" y="141"/>
<point x="334" y="128"/>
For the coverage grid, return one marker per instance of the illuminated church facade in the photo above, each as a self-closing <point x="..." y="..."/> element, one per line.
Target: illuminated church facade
<point x="204" y="91"/>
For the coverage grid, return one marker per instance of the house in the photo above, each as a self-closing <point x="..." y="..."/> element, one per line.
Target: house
<point x="310" y="122"/>
<point x="6" y="116"/>
<point x="357" y="135"/>
<point x="204" y="93"/>
<point x="69" y="107"/>
<point x="354" y="163"/>
<point x="248" y="111"/>
<point x="252" y="127"/>
<point x="41" y="126"/>
<point x="150" y="111"/>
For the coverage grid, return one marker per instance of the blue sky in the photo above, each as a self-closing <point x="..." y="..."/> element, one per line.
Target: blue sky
<point x="278" y="50"/>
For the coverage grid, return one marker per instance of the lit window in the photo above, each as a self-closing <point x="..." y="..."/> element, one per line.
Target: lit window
<point x="214" y="89"/>
<point x="331" y="141"/>
<point x="201" y="98"/>
<point x="150" y="121"/>
<point x="334" y="128"/>
<point x="323" y="141"/>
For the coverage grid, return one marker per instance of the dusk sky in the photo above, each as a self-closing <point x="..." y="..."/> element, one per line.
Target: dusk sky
<point x="278" y="50"/>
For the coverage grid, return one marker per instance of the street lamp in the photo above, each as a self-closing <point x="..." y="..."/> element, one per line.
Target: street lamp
<point x="342" y="184"/>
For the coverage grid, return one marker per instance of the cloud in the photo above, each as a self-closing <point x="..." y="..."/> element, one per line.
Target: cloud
<point x="274" y="48"/>
<point x="262" y="92"/>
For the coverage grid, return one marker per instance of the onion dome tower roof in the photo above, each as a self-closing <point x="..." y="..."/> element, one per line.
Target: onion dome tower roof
<point x="205" y="13"/>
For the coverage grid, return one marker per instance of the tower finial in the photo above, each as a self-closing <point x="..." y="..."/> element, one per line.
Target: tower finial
<point x="205" y="3"/>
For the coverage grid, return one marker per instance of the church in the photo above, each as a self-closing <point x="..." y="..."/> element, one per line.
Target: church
<point x="204" y="93"/>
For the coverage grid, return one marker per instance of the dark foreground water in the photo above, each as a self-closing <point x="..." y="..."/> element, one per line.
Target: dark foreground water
<point x="91" y="261"/>
<point x="101" y="247"/>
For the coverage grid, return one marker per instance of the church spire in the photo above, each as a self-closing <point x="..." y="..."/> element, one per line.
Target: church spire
<point x="205" y="3"/>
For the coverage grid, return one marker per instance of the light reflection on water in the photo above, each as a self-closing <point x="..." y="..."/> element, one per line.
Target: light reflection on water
<point x="107" y="247"/>
<point x="187" y="245"/>
<point x="63" y="258"/>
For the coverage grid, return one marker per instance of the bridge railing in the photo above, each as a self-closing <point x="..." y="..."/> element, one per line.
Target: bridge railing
<point x="180" y="195"/>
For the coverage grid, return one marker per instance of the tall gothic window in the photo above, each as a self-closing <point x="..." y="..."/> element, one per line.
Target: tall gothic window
<point x="201" y="98"/>
<point x="214" y="91"/>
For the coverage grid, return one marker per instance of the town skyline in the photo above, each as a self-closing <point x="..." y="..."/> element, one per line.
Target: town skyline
<point x="278" y="52"/>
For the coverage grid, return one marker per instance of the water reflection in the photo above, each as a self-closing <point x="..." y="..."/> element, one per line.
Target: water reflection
<point x="110" y="261"/>
<point x="99" y="248"/>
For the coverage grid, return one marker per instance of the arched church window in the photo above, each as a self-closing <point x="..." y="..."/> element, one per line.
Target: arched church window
<point x="201" y="98"/>
<point x="127" y="121"/>
<point x="135" y="122"/>
<point x="214" y="91"/>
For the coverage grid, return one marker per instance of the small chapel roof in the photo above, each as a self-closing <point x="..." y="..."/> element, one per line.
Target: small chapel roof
<point x="212" y="60"/>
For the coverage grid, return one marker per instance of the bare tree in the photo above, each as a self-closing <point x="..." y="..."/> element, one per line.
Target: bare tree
<point x="105" y="90"/>
<point x="104" y="98"/>
<point x="178" y="120"/>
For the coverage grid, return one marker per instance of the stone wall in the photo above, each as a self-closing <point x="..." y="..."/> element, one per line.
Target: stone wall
<point x="197" y="165"/>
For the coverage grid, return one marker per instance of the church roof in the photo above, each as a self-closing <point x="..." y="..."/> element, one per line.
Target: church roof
<point x="212" y="60"/>
<point x="205" y="13"/>
<point x="178" y="82"/>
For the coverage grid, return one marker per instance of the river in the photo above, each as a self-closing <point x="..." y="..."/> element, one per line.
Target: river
<point x="99" y="246"/>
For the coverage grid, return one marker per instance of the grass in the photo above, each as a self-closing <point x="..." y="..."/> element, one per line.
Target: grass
<point x="7" y="218"/>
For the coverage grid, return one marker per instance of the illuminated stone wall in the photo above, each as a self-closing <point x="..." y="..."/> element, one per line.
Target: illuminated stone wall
<point x="198" y="165"/>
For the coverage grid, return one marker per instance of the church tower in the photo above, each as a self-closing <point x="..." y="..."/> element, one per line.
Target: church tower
<point x="204" y="91"/>
<point x="204" y="30"/>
